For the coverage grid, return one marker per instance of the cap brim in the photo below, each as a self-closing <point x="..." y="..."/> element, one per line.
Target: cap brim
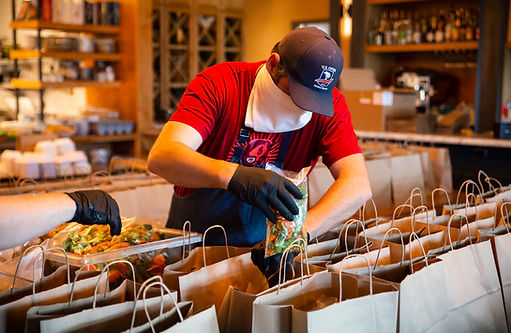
<point x="310" y="100"/>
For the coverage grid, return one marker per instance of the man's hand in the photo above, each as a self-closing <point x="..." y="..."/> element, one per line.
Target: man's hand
<point x="265" y="190"/>
<point x="96" y="207"/>
<point x="270" y="266"/>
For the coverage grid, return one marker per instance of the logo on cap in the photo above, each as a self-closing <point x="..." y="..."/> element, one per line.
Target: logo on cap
<point x="325" y="78"/>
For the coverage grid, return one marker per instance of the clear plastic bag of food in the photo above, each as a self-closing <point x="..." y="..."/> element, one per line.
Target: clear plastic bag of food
<point x="281" y="234"/>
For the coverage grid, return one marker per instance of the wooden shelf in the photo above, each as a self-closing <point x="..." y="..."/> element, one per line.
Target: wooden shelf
<point x="390" y="2"/>
<point x="182" y="47"/>
<point x="104" y="138"/>
<point x="508" y="45"/>
<point x="35" y="24"/>
<point x="35" y="54"/>
<point x="425" y="47"/>
<point x="34" y="84"/>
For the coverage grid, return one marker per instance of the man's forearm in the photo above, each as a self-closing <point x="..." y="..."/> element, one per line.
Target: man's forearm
<point x="346" y="195"/>
<point x="183" y="166"/>
<point x="23" y="218"/>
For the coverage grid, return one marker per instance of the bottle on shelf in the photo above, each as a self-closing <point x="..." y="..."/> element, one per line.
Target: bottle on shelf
<point x="408" y="28"/>
<point x="430" y="33"/>
<point x="388" y="31"/>
<point x="439" y="33"/>
<point x="380" y="36"/>
<point x="417" y="35"/>
<point x="371" y="34"/>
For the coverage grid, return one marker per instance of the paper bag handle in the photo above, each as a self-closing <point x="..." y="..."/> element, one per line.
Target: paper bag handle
<point x="204" y="242"/>
<point x="419" y="208"/>
<point x="364" y="211"/>
<point x="496" y="211"/>
<point x="489" y="180"/>
<point x="413" y="234"/>
<point x="438" y="189"/>
<point x="103" y="271"/>
<point x="19" y="262"/>
<point x="383" y="240"/>
<point x="504" y="216"/>
<point x="42" y="275"/>
<point x="463" y="217"/>
<point x="347" y="225"/>
<point x="368" y="267"/>
<point x="189" y="224"/>
<point x="401" y="209"/>
<point x="77" y="273"/>
<point x="303" y="253"/>
<point x="163" y="286"/>
<point x="416" y="192"/>
<point x="467" y="203"/>
<point x="465" y="185"/>
<point x="479" y="174"/>
<point x="137" y="296"/>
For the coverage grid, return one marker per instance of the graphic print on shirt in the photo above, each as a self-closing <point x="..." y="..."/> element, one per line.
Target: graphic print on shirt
<point x="260" y="149"/>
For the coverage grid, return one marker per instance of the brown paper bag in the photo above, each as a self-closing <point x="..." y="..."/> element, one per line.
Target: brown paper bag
<point x="195" y="261"/>
<point x="13" y="315"/>
<point x="284" y="310"/>
<point x="474" y="290"/>
<point x="125" y="292"/>
<point x="208" y="285"/>
<point x="407" y="174"/>
<point x="113" y="318"/>
<point x="502" y="253"/>
<point x="235" y="312"/>
<point x="423" y="305"/>
<point x="200" y="257"/>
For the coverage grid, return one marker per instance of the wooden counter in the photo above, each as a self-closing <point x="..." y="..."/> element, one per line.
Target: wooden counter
<point x="435" y="139"/>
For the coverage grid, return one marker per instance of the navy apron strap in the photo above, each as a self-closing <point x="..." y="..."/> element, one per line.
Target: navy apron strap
<point x="284" y="146"/>
<point x="238" y="149"/>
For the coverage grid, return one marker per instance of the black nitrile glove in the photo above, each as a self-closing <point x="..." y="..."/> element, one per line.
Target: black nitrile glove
<point x="265" y="190"/>
<point x="270" y="266"/>
<point x="96" y="207"/>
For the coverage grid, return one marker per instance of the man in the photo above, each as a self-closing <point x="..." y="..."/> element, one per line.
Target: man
<point x="23" y="218"/>
<point x="236" y="117"/>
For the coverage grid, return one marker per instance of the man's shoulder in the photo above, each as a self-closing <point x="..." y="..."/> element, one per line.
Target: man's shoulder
<point x="233" y="67"/>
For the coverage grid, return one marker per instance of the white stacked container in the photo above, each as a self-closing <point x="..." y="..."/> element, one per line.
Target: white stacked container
<point x="64" y="166"/>
<point x="47" y="166"/>
<point x="8" y="161"/>
<point x="27" y="166"/>
<point x="46" y="147"/>
<point x="64" y="145"/>
<point x="81" y="166"/>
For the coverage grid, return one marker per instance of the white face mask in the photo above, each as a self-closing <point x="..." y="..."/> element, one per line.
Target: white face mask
<point x="270" y="110"/>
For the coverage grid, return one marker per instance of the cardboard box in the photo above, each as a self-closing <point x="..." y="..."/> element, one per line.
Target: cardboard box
<point x="371" y="109"/>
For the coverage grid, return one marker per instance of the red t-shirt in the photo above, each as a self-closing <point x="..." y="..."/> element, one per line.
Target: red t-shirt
<point x="215" y="104"/>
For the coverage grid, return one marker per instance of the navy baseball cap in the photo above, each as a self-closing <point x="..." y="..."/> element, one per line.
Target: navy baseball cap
<point x="314" y="62"/>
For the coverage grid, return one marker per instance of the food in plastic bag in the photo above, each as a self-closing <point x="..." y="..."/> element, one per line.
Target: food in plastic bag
<point x="281" y="234"/>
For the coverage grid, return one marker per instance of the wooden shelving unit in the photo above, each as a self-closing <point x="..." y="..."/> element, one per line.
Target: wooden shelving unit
<point x="36" y="24"/>
<point x="508" y="45"/>
<point x="35" y="84"/>
<point x="36" y="54"/>
<point x="424" y="47"/>
<point x="104" y="138"/>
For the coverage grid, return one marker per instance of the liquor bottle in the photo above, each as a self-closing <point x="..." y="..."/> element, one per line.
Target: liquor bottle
<point x="371" y="34"/>
<point x="456" y="32"/>
<point x="417" y="35"/>
<point x="395" y="27"/>
<point x="469" y="30"/>
<point x="439" y="33"/>
<point x="430" y="33"/>
<point x="476" y="22"/>
<point x="408" y="28"/>
<point x="388" y="30"/>
<point x="401" y="37"/>
<point x="448" y="26"/>
<point x="424" y="25"/>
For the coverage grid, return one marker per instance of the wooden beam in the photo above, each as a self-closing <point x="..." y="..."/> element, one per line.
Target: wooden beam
<point x="357" y="34"/>
<point x="335" y="19"/>
<point x="490" y="63"/>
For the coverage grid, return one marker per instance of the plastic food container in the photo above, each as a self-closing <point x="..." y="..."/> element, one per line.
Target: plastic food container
<point x="64" y="166"/>
<point x="142" y="256"/>
<point x="47" y="165"/>
<point x="27" y="166"/>
<point x="46" y="147"/>
<point x="64" y="145"/>
<point x="8" y="161"/>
